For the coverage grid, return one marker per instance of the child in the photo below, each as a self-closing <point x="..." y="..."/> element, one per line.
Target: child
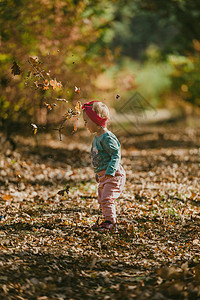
<point x="106" y="161"/>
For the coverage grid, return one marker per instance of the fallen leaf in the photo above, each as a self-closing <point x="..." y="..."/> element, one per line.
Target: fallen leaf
<point x="6" y="197"/>
<point x="62" y="192"/>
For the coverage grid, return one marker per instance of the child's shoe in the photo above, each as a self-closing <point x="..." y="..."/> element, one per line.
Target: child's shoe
<point x="105" y="226"/>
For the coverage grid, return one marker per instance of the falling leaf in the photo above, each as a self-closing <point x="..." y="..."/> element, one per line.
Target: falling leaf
<point x="75" y="129"/>
<point x="15" y="69"/>
<point x="35" y="128"/>
<point x="77" y="90"/>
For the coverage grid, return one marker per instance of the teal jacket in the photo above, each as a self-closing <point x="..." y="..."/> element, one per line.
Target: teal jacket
<point x="106" y="153"/>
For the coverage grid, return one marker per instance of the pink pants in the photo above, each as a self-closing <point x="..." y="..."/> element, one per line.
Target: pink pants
<point x="108" y="191"/>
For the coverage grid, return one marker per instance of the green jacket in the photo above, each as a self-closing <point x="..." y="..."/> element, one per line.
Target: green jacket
<point x="106" y="153"/>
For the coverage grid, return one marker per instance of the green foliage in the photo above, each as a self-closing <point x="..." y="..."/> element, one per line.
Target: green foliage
<point x="154" y="81"/>
<point x="151" y="79"/>
<point x="136" y="28"/>
<point x="185" y="76"/>
<point x="182" y="16"/>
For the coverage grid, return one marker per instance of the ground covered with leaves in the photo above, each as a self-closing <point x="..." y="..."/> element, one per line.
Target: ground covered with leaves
<point x="48" y="250"/>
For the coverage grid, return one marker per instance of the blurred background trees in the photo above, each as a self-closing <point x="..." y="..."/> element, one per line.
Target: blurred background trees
<point x="161" y="31"/>
<point x="104" y="47"/>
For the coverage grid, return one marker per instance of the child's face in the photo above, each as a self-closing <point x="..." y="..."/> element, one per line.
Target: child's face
<point x="90" y="125"/>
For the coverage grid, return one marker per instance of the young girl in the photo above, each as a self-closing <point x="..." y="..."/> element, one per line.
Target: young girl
<point x="106" y="161"/>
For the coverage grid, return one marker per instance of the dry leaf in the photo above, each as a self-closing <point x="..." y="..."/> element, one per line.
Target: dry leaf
<point x="35" y="128"/>
<point x="15" y="69"/>
<point x="55" y="84"/>
<point x="77" y="90"/>
<point x="62" y="192"/>
<point x="6" y="197"/>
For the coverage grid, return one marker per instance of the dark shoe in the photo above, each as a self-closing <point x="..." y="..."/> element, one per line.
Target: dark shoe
<point x="105" y="226"/>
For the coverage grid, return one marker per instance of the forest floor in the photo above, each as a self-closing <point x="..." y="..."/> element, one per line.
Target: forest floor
<point x="47" y="247"/>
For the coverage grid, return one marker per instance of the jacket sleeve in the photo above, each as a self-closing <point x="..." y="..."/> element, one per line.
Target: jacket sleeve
<point x="112" y="147"/>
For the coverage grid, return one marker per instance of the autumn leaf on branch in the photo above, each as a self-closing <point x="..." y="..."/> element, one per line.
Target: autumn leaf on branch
<point x="35" y="67"/>
<point x="71" y="113"/>
<point x="46" y="84"/>
<point x="37" y="72"/>
<point x="55" y="84"/>
<point x="49" y="106"/>
<point x="78" y="107"/>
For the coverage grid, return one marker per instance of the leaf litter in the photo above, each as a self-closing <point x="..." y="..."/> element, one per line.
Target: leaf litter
<point x="48" y="250"/>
